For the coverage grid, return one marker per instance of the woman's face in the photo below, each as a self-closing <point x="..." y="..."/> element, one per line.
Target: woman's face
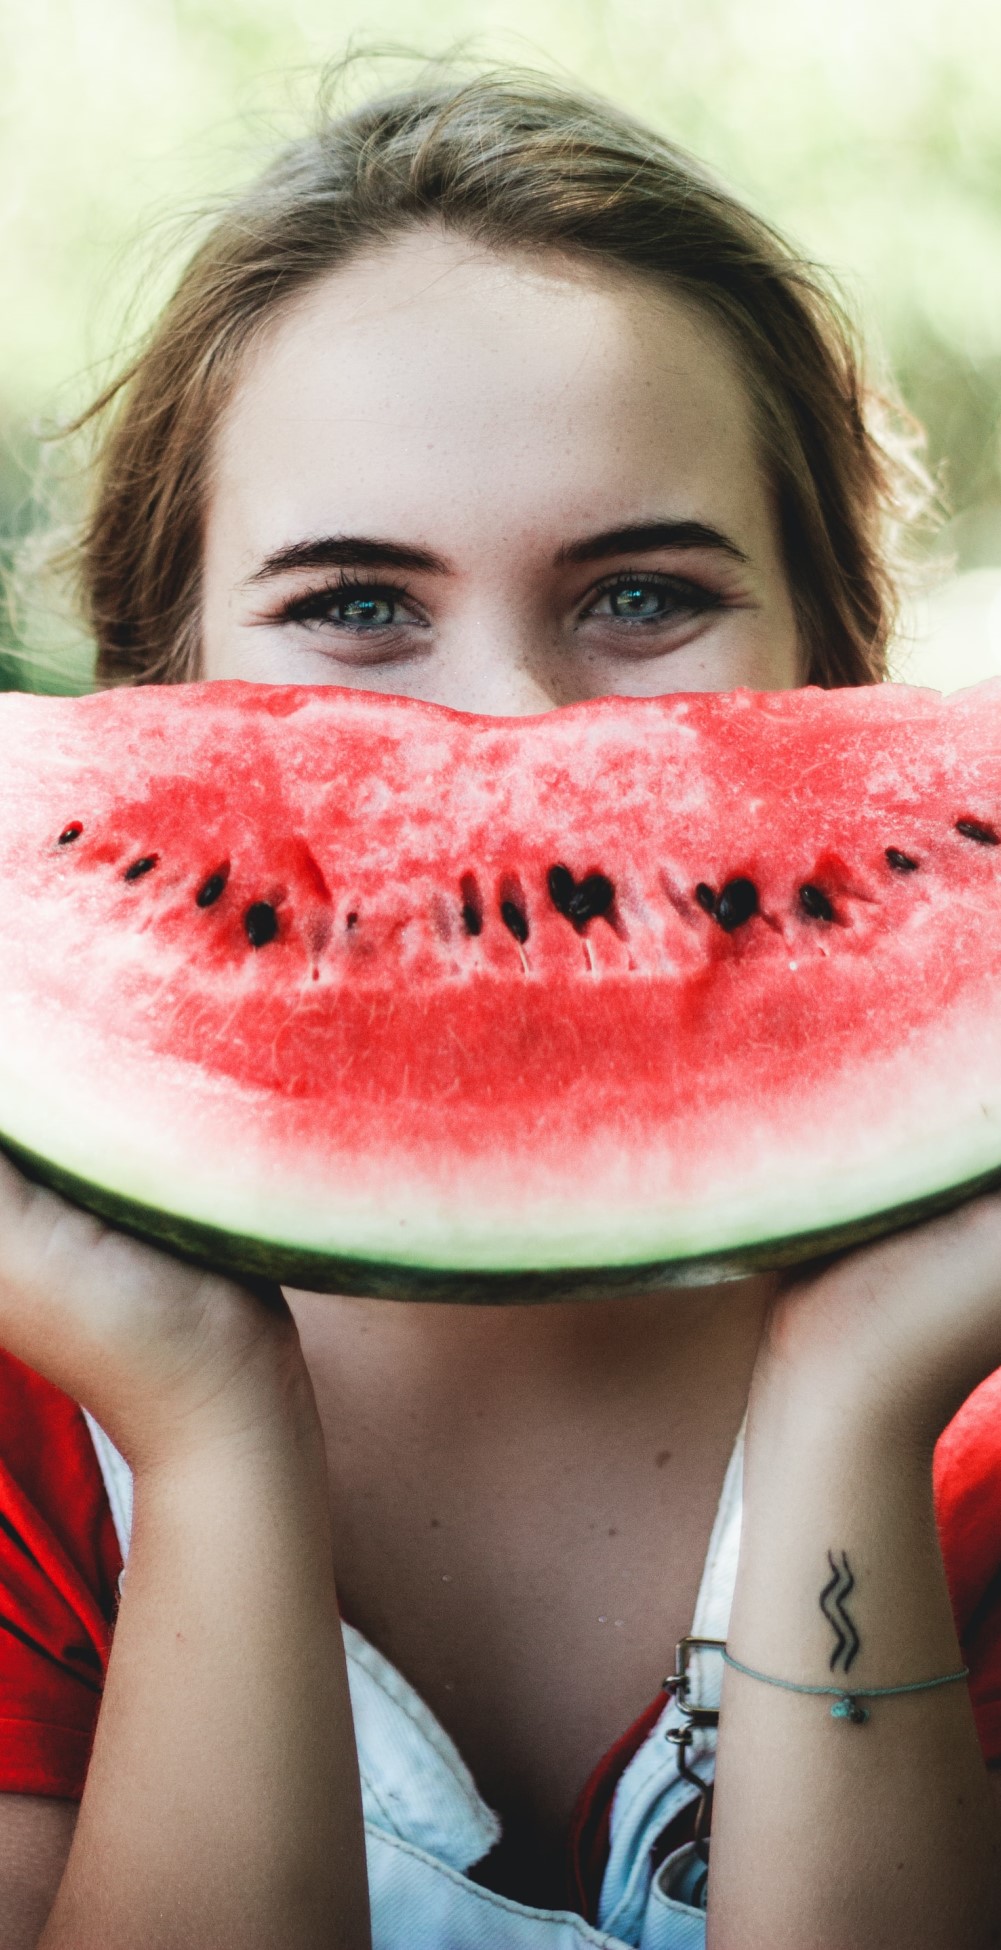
<point x="496" y="484"/>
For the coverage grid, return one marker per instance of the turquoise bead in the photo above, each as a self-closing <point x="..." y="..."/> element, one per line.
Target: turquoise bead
<point x="848" y="1708"/>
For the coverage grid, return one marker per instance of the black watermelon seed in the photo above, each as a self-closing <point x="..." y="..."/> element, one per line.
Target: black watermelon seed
<point x="815" y="903"/>
<point x="472" y="904"/>
<point x="210" y="890"/>
<point x="352" y="920"/>
<point x="579" y="900"/>
<point x="902" y="862"/>
<point x="705" y="897"/>
<point x="737" y="902"/>
<point x="561" y="884"/>
<point x="515" y="920"/>
<point x="70" y="832"/>
<point x="139" y="867"/>
<point x="972" y="829"/>
<point x="591" y="897"/>
<point x="260" y="924"/>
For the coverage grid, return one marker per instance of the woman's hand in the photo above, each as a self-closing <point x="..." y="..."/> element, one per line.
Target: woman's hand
<point x="156" y="1350"/>
<point x="902" y="1330"/>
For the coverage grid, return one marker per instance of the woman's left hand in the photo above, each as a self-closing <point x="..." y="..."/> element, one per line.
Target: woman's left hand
<point x="902" y="1330"/>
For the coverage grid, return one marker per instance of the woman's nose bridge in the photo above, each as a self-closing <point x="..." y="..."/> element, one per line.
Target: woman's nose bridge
<point x="508" y="666"/>
<point x="508" y="693"/>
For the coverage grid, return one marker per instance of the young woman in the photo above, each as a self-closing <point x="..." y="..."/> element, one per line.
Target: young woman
<point x="486" y="396"/>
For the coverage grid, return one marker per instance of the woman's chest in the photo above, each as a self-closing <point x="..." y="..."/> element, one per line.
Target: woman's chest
<point x="534" y="1644"/>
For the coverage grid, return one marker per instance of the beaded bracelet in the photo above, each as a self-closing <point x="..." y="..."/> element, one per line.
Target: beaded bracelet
<point x="846" y="1705"/>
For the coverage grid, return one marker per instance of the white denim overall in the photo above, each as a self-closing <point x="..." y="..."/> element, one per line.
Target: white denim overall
<point x="426" y="1825"/>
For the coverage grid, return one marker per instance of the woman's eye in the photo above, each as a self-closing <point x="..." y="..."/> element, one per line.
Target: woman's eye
<point x="640" y="599"/>
<point x="637" y="602"/>
<point x="365" y="612"/>
<point x="356" y="609"/>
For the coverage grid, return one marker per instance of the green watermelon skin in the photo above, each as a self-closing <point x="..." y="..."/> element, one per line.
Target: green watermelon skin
<point x="291" y="988"/>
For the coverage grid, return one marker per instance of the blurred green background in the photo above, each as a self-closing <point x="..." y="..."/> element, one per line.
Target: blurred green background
<point x="870" y="131"/>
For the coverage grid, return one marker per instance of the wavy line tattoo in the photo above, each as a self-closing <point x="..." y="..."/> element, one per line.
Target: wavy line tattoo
<point x="832" y="1604"/>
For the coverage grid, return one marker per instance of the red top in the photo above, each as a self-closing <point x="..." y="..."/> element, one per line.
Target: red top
<point x="59" y="1566"/>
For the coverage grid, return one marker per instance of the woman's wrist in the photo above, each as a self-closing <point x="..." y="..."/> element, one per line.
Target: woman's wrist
<point x="270" y="1415"/>
<point x="885" y="1343"/>
<point x="836" y="1497"/>
<point x="815" y="1391"/>
<point x="255" y="1393"/>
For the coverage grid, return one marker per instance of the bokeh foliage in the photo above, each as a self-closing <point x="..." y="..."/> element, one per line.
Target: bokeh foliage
<point x="870" y="132"/>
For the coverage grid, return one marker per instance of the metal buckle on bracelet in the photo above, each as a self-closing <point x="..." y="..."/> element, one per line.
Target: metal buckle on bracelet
<point x="696" y="1715"/>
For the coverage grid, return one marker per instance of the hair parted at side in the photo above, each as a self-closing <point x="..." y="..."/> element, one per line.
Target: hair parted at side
<point x="514" y="161"/>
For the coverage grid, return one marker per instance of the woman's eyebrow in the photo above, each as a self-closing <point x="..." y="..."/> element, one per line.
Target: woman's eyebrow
<point x="643" y="537"/>
<point x="347" y="551"/>
<point x="370" y="552"/>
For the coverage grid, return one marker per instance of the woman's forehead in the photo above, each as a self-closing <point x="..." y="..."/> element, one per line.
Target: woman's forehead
<point x="523" y="390"/>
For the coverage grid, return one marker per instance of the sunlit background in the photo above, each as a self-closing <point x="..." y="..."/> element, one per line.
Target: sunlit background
<point x="869" y="130"/>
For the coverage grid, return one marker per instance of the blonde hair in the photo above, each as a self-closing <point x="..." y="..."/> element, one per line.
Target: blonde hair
<point x="517" y="163"/>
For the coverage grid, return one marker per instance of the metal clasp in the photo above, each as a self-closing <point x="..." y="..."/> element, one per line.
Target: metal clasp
<point x="696" y="1715"/>
<point x="678" y="1682"/>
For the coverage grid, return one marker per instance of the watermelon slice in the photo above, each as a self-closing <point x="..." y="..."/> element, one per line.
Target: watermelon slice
<point x="371" y="996"/>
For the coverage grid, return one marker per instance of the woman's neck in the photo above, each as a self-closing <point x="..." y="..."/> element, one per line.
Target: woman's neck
<point x="487" y="1374"/>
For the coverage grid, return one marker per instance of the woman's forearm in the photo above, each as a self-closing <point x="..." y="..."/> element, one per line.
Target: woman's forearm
<point x="221" y="1808"/>
<point x="829" y="1834"/>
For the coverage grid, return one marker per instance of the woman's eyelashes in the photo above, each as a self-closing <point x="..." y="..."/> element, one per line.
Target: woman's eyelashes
<point x="352" y="607"/>
<point x="628" y="606"/>
<point x="643" y="601"/>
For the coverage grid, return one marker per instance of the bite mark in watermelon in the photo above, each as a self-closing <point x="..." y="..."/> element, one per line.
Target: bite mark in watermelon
<point x="371" y="996"/>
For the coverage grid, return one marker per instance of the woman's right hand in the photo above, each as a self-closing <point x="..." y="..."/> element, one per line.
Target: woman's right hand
<point x="159" y="1352"/>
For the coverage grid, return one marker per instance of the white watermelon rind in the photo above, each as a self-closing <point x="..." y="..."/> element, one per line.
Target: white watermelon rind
<point x="258" y="1259"/>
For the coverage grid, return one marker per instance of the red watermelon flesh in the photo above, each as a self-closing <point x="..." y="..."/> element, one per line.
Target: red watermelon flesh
<point x="373" y="996"/>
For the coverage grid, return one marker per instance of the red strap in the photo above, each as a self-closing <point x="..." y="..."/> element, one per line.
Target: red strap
<point x="590" y="1823"/>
